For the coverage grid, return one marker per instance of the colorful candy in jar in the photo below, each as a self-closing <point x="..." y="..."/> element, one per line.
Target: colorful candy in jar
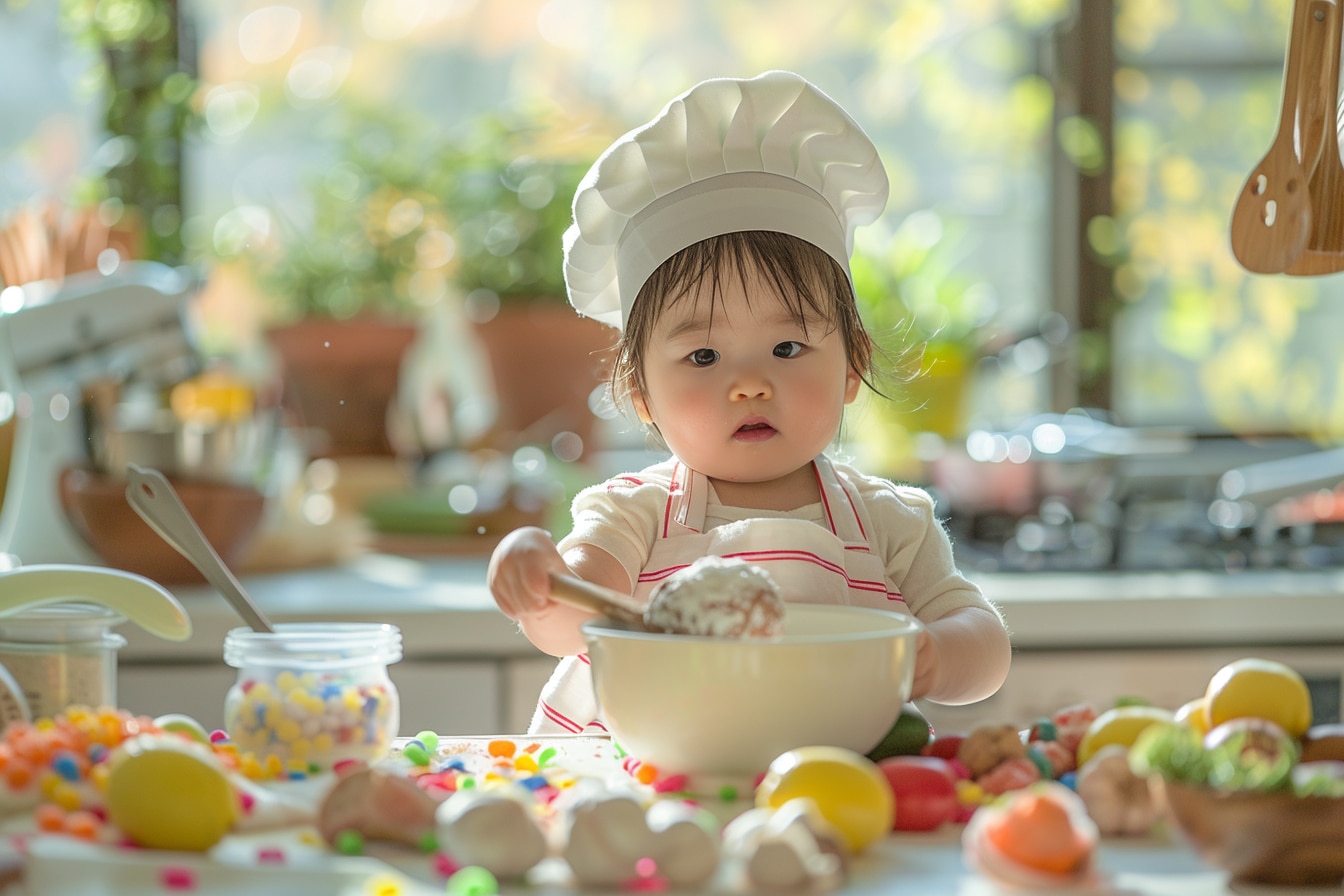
<point x="319" y="718"/>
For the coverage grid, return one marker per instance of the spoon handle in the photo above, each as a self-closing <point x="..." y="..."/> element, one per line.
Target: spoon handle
<point x="587" y="596"/>
<point x="154" y="498"/>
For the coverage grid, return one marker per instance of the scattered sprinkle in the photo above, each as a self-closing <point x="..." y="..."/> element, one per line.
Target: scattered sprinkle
<point x="177" y="879"/>
<point x="473" y="880"/>
<point x="349" y="843"/>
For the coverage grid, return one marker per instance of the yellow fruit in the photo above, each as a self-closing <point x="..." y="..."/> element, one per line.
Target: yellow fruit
<point x="1121" y="726"/>
<point x="1191" y="715"/>
<point x="849" y="791"/>
<point x="1254" y="688"/>
<point x="165" y="792"/>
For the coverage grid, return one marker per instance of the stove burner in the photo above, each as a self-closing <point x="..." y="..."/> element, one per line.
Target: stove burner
<point x="1144" y="534"/>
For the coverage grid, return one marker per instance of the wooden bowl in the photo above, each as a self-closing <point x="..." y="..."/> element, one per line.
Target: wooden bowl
<point x="96" y="506"/>
<point x="1263" y="838"/>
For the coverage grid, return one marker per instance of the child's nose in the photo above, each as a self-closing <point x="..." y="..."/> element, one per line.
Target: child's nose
<point x="750" y="384"/>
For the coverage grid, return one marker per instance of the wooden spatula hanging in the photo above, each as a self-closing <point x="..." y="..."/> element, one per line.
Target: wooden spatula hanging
<point x="1318" y="106"/>
<point x="1271" y="220"/>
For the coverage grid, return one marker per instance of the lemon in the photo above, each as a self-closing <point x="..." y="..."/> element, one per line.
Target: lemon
<point x="1121" y="725"/>
<point x="1257" y="688"/>
<point x="849" y="791"/>
<point x="165" y="792"/>
<point x="1191" y="715"/>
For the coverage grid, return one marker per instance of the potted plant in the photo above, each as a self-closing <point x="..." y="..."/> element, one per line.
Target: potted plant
<point x="927" y="317"/>
<point x="510" y="182"/>
<point x="348" y="277"/>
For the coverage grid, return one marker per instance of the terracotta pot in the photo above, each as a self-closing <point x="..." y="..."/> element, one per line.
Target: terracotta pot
<point x="545" y="361"/>
<point x="340" y="377"/>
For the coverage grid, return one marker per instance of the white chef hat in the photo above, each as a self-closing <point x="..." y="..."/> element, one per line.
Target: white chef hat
<point x="766" y="153"/>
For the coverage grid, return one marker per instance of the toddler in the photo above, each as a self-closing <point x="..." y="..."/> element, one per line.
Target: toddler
<point x="717" y="239"/>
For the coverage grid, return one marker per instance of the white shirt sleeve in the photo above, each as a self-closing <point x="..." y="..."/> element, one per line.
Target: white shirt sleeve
<point x="916" y="548"/>
<point x="621" y="516"/>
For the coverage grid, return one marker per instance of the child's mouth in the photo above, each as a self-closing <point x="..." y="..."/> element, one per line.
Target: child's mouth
<point x="754" y="432"/>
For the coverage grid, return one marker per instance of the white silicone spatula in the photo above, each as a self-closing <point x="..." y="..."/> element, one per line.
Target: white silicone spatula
<point x="141" y="600"/>
<point x="154" y="498"/>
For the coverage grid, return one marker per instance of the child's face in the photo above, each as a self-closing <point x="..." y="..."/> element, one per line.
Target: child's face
<point x="752" y="398"/>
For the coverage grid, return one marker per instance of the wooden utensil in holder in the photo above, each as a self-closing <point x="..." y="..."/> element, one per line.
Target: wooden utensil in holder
<point x="1280" y="223"/>
<point x="1272" y="218"/>
<point x="1318" y="107"/>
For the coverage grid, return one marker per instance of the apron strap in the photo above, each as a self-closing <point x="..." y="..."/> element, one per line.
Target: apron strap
<point x="688" y="496"/>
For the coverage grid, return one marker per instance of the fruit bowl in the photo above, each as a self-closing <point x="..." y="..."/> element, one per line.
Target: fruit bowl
<point x="1273" y="838"/>
<point x="725" y="708"/>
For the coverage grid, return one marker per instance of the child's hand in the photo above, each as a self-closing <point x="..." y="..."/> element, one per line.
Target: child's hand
<point x="926" y="664"/>
<point x="519" y="572"/>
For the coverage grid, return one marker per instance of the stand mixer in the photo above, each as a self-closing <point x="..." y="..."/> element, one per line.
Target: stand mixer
<point x="93" y="327"/>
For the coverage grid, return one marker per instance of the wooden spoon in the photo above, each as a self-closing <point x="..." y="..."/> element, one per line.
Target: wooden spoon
<point x="587" y="596"/>
<point x="1324" y="253"/>
<point x="1271" y="220"/>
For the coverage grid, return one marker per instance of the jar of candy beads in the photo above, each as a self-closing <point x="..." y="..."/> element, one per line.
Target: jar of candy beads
<point x="313" y="694"/>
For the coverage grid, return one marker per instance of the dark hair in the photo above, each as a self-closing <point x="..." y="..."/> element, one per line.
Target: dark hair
<point x="808" y="281"/>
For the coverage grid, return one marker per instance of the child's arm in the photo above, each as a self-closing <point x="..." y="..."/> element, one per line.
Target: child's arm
<point x="519" y="580"/>
<point x="963" y="657"/>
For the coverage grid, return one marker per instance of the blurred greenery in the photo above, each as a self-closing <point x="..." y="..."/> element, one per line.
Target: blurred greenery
<point x="146" y="96"/>
<point x="407" y="214"/>
<point x="371" y="235"/>
<point x="510" y="206"/>
<point x="956" y="93"/>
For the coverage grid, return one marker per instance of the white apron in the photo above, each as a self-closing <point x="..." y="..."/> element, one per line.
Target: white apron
<point x="810" y="563"/>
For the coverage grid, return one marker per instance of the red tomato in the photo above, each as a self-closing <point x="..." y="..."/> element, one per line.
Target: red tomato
<point x="944" y="747"/>
<point x="925" y="789"/>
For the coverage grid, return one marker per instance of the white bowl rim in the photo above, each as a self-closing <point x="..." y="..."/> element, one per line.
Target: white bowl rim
<point x="887" y="624"/>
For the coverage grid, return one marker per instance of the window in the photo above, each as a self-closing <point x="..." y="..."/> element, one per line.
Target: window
<point x="960" y="95"/>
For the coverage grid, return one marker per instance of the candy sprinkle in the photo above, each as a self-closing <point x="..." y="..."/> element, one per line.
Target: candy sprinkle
<point x="349" y="843"/>
<point x="502" y="748"/>
<point x="416" y="754"/>
<point x="177" y="879"/>
<point x="472" y="880"/>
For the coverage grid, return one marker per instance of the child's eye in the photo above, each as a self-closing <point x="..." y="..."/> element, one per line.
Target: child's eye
<point x="703" y="357"/>
<point x="788" y="349"/>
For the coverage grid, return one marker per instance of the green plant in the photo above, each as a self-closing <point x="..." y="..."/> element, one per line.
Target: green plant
<point x="914" y="291"/>
<point x="147" y="102"/>
<point x="929" y="316"/>
<point x="406" y="215"/>
<point x="370" y="236"/>
<point x="509" y="195"/>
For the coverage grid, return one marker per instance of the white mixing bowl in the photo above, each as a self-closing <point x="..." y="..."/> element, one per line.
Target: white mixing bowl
<point x="714" y="707"/>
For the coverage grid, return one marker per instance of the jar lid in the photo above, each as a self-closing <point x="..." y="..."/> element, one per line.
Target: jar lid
<point x="314" y="645"/>
<point x="62" y="623"/>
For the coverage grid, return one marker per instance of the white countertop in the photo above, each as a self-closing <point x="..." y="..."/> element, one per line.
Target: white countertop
<point x="929" y="863"/>
<point x="444" y="610"/>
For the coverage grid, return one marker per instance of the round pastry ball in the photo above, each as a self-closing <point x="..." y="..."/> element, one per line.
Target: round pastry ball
<point x="718" y="597"/>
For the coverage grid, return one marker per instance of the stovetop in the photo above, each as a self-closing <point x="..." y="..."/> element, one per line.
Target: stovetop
<point x="1168" y="514"/>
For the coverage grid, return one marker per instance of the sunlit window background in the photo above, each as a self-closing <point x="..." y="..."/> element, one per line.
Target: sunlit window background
<point x="326" y="134"/>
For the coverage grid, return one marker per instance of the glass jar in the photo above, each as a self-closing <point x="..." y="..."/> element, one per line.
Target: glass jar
<point x="313" y="694"/>
<point x="62" y="655"/>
